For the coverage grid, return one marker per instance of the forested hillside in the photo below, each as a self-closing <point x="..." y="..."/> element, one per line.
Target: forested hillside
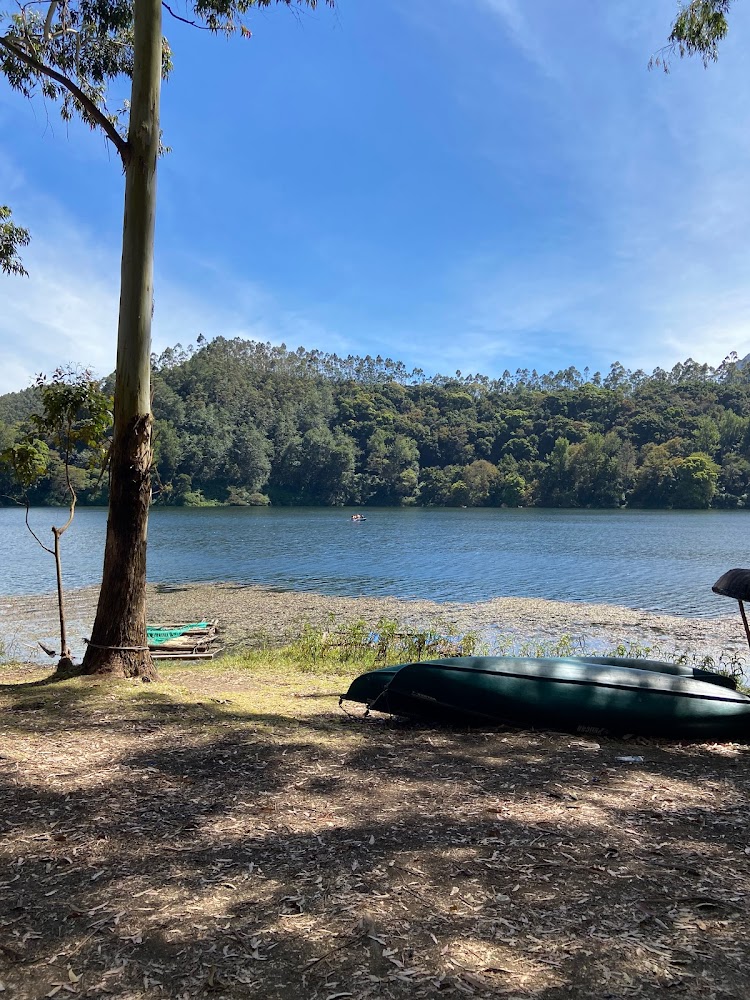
<point x="242" y="422"/>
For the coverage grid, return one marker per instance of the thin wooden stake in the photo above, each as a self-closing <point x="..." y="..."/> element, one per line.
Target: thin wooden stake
<point x="744" y="621"/>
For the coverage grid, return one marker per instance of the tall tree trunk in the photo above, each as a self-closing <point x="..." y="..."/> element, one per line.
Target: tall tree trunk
<point x="118" y="641"/>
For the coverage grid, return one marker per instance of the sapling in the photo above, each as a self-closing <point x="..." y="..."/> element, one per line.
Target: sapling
<point x="75" y="418"/>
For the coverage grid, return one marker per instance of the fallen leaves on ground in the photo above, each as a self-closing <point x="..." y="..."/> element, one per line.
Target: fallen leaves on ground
<point x="173" y="841"/>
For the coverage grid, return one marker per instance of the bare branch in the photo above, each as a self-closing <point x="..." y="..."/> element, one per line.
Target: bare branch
<point x="193" y="24"/>
<point x="27" y="506"/>
<point x="48" y="20"/>
<point x="34" y="534"/>
<point x="59" y="532"/>
<point x="73" y="495"/>
<point x="91" y="109"/>
<point x="104" y="468"/>
<point x="74" y="498"/>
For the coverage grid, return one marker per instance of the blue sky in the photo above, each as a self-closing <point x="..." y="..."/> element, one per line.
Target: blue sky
<point x="458" y="184"/>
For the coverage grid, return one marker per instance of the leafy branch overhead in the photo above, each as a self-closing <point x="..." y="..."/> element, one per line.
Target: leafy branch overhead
<point x="71" y="51"/>
<point x="698" y="29"/>
<point x="12" y="238"/>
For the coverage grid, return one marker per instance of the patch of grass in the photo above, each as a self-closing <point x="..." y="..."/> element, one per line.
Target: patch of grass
<point x="319" y="664"/>
<point x="10" y="651"/>
<point x="345" y="650"/>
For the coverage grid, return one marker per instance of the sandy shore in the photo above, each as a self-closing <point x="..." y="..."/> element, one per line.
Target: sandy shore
<point x="247" y="613"/>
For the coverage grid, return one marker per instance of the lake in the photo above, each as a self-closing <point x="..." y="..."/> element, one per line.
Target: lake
<point x="662" y="561"/>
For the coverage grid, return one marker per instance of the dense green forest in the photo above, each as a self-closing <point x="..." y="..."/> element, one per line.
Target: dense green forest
<point x="243" y="422"/>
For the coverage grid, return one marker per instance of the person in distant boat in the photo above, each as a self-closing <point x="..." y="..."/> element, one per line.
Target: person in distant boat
<point x="358" y="517"/>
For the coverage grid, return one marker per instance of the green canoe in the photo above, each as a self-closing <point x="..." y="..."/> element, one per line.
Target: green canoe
<point x="589" y="694"/>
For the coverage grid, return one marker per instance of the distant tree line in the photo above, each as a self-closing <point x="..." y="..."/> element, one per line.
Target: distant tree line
<point x="243" y="422"/>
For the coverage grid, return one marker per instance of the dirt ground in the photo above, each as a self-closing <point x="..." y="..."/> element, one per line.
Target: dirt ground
<point x="235" y="834"/>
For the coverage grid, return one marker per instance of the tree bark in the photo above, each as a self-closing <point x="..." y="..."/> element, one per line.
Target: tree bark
<point x="118" y="642"/>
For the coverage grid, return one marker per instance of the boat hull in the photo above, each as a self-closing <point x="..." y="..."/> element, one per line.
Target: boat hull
<point x="575" y="694"/>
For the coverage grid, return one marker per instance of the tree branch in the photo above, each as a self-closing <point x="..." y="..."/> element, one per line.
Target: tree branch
<point x="193" y="24"/>
<point x="91" y="109"/>
<point x="34" y="534"/>
<point x="48" y="19"/>
<point x="73" y="495"/>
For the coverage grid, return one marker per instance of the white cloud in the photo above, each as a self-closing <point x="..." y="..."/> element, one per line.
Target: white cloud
<point x="628" y="239"/>
<point x="639" y="318"/>
<point x="65" y="312"/>
<point x="519" y="31"/>
<point x="643" y="254"/>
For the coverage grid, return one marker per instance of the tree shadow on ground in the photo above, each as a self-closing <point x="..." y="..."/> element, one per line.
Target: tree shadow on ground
<point x="199" y="848"/>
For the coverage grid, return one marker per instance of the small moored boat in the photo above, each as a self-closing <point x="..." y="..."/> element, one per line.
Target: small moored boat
<point x="590" y="694"/>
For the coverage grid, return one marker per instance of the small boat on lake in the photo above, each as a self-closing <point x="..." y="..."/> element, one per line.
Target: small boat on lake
<point x="582" y="694"/>
<point x="358" y="517"/>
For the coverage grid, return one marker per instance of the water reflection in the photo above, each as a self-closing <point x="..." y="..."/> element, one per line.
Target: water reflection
<point x="653" y="560"/>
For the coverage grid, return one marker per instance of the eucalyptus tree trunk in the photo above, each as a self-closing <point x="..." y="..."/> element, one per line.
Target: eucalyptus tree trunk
<point x="118" y="641"/>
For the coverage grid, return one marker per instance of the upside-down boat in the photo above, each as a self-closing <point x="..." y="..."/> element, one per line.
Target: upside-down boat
<point x="583" y="694"/>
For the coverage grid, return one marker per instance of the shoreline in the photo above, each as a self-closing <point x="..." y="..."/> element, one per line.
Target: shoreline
<point x="247" y="613"/>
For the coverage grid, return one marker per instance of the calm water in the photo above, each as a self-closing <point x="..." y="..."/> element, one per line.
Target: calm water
<point x="653" y="560"/>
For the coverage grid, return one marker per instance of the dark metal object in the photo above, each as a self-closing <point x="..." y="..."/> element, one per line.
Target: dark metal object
<point x="736" y="583"/>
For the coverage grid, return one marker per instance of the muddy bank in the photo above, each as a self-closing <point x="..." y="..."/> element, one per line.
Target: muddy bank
<point x="249" y="615"/>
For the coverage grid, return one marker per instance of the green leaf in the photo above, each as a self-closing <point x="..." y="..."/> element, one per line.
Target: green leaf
<point x="28" y="461"/>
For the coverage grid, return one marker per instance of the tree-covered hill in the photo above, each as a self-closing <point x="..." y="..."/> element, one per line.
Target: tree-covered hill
<point x="244" y="422"/>
<point x="16" y="407"/>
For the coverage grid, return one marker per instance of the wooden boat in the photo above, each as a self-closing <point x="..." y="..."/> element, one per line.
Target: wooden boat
<point x="583" y="694"/>
<point x="183" y="640"/>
